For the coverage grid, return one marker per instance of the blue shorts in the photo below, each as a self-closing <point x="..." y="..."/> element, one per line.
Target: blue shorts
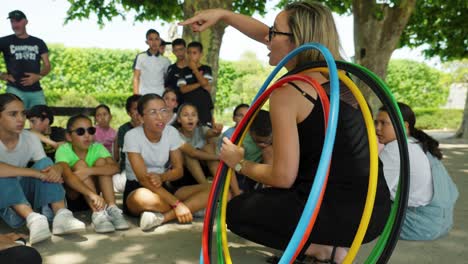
<point x="30" y="99"/>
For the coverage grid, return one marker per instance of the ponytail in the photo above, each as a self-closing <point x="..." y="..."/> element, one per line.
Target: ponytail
<point x="427" y="142"/>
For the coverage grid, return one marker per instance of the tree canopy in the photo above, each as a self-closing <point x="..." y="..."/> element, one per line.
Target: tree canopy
<point x="168" y="11"/>
<point x="437" y="25"/>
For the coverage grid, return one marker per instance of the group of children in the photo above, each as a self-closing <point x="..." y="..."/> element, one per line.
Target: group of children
<point x="163" y="157"/>
<point x="161" y="160"/>
<point x="187" y="77"/>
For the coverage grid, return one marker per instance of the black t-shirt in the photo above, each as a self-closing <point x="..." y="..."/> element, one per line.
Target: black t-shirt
<point x="172" y="76"/>
<point x="21" y="56"/>
<point x="57" y="134"/>
<point x="123" y="129"/>
<point x="200" y="97"/>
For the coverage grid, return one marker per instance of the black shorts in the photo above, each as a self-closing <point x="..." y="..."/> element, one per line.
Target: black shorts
<point x="132" y="185"/>
<point x="77" y="204"/>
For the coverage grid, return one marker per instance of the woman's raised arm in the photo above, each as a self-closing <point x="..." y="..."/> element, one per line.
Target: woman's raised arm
<point x="251" y="27"/>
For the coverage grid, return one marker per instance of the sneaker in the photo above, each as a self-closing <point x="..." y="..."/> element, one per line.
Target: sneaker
<point x="38" y="228"/>
<point x="101" y="222"/>
<point x="149" y="220"/>
<point x="116" y="218"/>
<point x="65" y="223"/>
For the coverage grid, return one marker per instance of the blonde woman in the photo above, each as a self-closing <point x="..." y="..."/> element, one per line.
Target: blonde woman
<point x="269" y="216"/>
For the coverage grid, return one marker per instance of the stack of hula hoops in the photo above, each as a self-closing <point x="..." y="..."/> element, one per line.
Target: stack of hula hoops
<point x="386" y="243"/>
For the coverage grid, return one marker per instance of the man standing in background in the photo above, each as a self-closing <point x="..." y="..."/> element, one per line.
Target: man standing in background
<point x="23" y="55"/>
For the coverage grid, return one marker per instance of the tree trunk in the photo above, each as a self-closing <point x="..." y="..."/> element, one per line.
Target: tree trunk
<point x="463" y="130"/>
<point x="211" y="38"/>
<point x="377" y="31"/>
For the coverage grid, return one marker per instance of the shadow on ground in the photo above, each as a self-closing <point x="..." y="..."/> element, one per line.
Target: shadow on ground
<point x="180" y="244"/>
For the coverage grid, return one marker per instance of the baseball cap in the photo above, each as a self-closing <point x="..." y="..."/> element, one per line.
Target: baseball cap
<point x="40" y="111"/>
<point x="16" y="15"/>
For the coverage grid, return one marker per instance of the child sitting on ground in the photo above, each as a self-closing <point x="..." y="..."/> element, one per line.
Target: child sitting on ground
<point x="88" y="168"/>
<point x="149" y="148"/>
<point x="22" y="189"/>
<point x="119" y="179"/>
<point x="199" y="138"/>
<point x="171" y="99"/>
<point x="105" y="134"/>
<point x="41" y="119"/>
<point x="432" y="193"/>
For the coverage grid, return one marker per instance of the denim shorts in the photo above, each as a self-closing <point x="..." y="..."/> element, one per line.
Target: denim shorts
<point x="27" y="190"/>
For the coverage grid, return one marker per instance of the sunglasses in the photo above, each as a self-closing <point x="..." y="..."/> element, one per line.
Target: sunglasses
<point x="81" y="131"/>
<point x="272" y="33"/>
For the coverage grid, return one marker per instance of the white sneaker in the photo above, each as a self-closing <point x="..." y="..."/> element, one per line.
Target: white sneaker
<point x="65" y="223"/>
<point x="116" y="218"/>
<point x="149" y="220"/>
<point x="101" y="222"/>
<point x="38" y="228"/>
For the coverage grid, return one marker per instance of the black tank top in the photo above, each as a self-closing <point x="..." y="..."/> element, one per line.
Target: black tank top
<point x="349" y="171"/>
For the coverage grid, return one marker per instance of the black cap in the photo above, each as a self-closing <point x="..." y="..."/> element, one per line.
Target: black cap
<point x="42" y="112"/>
<point x="16" y="15"/>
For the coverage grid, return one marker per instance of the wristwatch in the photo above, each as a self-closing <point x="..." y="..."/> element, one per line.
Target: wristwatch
<point x="238" y="166"/>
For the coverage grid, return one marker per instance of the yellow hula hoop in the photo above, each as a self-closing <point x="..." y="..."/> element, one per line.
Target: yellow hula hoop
<point x="372" y="187"/>
<point x="224" y="199"/>
<point x="374" y="165"/>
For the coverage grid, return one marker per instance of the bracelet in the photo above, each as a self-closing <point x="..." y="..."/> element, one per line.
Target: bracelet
<point x="174" y="206"/>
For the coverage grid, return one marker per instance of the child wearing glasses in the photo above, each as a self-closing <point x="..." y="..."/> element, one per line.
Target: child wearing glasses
<point x="432" y="193"/>
<point x="199" y="137"/>
<point x="105" y="134"/>
<point x="25" y="190"/>
<point x="150" y="148"/>
<point x="88" y="168"/>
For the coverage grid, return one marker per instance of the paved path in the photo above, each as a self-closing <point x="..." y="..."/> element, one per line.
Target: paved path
<point x="180" y="244"/>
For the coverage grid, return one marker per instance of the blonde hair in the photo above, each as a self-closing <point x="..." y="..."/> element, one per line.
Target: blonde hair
<point x="313" y="22"/>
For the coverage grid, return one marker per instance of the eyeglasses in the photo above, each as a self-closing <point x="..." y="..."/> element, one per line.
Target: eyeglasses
<point x="271" y="33"/>
<point x="163" y="112"/>
<point x="81" y="131"/>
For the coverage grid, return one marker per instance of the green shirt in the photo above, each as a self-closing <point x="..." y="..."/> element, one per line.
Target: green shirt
<point x="252" y="151"/>
<point x="66" y="154"/>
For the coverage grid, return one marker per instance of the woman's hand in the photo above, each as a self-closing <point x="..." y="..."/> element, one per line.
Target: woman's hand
<point x="231" y="154"/>
<point x="204" y="19"/>
<point x="183" y="213"/>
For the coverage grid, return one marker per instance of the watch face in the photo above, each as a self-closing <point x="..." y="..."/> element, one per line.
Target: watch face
<point x="238" y="167"/>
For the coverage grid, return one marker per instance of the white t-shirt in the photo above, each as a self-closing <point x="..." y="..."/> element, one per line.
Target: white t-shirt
<point x="155" y="155"/>
<point x="153" y="70"/>
<point x="28" y="148"/>
<point x="421" y="189"/>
